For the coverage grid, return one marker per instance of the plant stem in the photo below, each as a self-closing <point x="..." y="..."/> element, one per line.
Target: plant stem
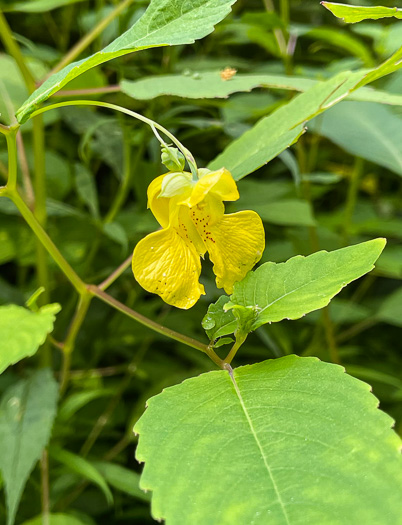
<point x="26" y="178"/>
<point x="330" y="337"/>
<point x="240" y="338"/>
<point x="116" y="274"/>
<point x="90" y="37"/>
<point x="51" y="248"/>
<point x="12" y="159"/>
<point x="156" y="327"/>
<point x="151" y="123"/>
<point x="68" y="347"/>
<point x="13" y="49"/>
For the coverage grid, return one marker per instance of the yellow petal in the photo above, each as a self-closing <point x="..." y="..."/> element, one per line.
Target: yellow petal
<point x="158" y="206"/>
<point x="219" y="183"/>
<point x="166" y="264"/>
<point x="235" y="244"/>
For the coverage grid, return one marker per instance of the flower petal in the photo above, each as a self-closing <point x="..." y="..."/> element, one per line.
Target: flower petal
<point x="158" y="206"/>
<point x="235" y="244"/>
<point x="166" y="264"/>
<point x="220" y="183"/>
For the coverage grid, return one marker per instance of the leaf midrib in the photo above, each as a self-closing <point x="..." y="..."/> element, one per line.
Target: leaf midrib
<point x="260" y="448"/>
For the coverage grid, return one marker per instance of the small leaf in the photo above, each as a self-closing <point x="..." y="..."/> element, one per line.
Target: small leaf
<point x="27" y="411"/>
<point x="83" y="468"/>
<point x="300" y="285"/>
<point x="165" y="23"/>
<point x="22" y="331"/>
<point x="356" y="13"/>
<point x="285" y="445"/>
<point x="218" y="322"/>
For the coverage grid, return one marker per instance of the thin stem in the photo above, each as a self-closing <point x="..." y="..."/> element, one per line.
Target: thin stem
<point x="156" y="327"/>
<point x="150" y="122"/>
<point x="68" y="347"/>
<point x="357" y="329"/>
<point x="278" y="33"/>
<point x="13" y="49"/>
<point x="124" y="187"/>
<point x="116" y="274"/>
<point x="240" y="338"/>
<point x="4" y="130"/>
<point x="12" y="159"/>
<point x="26" y="178"/>
<point x="90" y="37"/>
<point x="49" y="245"/>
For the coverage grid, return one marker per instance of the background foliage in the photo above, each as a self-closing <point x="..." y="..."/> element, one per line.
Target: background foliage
<point x="340" y="184"/>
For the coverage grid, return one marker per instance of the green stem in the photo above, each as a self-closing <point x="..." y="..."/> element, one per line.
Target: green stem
<point x="43" y="237"/>
<point x="124" y="187"/>
<point x="330" y="337"/>
<point x="90" y="37"/>
<point x="13" y="49"/>
<point x="68" y="347"/>
<point x="240" y="338"/>
<point x="150" y="122"/>
<point x="156" y="327"/>
<point x="11" y="138"/>
<point x="116" y="274"/>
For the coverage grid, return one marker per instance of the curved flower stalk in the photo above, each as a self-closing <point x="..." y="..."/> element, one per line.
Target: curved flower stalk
<point x="191" y="213"/>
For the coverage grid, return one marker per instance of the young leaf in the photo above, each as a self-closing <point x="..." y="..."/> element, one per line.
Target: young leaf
<point x="165" y="23"/>
<point x="23" y="331"/>
<point x="300" y="285"/>
<point x="356" y="13"/>
<point x="27" y="411"/>
<point x="218" y="322"/>
<point x="281" y="444"/>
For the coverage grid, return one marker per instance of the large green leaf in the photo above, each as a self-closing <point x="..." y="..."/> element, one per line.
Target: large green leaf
<point x="210" y="85"/>
<point x="300" y="285"/>
<point x="165" y="23"/>
<point x="272" y="134"/>
<point x="357" y="13"/>
<point x="280" y="444"/>
<point x="370" y="131"/>
<point x="27" y="411"/>
<point x="23" y="331"/>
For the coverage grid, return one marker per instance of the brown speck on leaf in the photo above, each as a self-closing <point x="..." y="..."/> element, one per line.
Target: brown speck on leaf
<point x="228" y="73"/>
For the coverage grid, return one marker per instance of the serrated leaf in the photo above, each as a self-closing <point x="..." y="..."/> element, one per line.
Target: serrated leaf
<point x="300" y="285"/>
<point x="217" y="322"/>
<point x="165" y="23"/>
<point x="82" y="467"/>
<point x="22" y="331"/>
<point x="27" y="411"/>
<point x="356" y="13"/>
<point x="285" y="447"/>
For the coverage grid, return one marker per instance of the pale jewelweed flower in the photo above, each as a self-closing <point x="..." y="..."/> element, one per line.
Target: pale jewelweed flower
<point x="191" y="213"/>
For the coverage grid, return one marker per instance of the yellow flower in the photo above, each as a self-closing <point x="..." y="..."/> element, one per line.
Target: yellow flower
<point x="191" y="213"/>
